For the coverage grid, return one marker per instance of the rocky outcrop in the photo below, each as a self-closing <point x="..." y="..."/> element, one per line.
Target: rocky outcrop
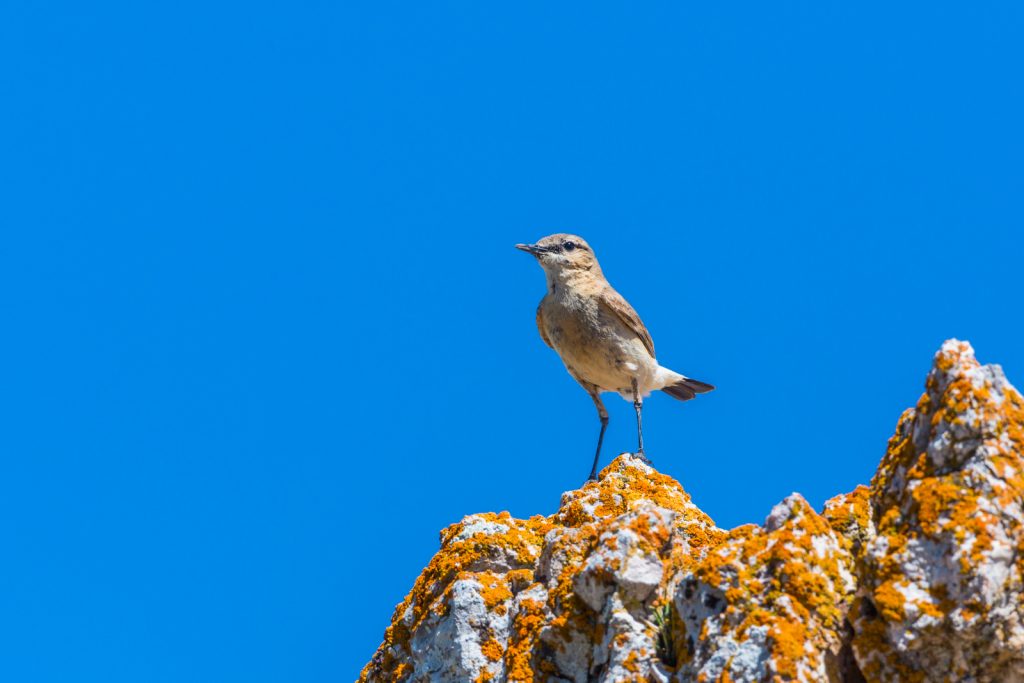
<point x="940" y="592"/>
<point x="915" y="578"/>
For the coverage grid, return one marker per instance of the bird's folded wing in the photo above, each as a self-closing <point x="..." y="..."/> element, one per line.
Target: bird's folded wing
<point x="620" y="308"/>
<point x="540" y="325"/>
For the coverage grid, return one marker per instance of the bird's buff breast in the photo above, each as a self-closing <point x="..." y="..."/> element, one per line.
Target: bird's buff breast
<point x="596" y="347"/>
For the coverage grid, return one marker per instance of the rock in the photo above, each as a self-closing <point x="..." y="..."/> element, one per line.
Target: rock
<point x="915" y="578"/>
<point x="768" y="603"/>
<point x="940" y="590"/>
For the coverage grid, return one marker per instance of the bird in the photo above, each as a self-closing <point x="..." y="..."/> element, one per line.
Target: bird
<point x="599" y="337"/>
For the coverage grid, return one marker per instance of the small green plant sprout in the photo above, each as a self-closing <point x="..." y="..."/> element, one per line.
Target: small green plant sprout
<point x="664" y="623"/>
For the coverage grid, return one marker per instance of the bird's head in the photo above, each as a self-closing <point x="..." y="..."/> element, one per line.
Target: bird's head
<point x="562" y="254"/>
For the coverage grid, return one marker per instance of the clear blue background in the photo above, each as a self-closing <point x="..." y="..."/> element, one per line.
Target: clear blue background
<point x="265" y="333"/>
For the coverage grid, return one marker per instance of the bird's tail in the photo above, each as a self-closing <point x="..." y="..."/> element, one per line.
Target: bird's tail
<point x="686" y="388"/>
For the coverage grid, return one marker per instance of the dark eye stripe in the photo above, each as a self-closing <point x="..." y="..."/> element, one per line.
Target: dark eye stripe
<point x="568" y="245"/>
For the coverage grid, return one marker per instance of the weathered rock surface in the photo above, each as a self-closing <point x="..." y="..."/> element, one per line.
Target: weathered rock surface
<point x="915" y="578"/>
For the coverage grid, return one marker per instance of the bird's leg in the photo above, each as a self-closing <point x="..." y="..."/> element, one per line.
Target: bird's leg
<point x="638" y="405"/>
<point x="603" y="414"/>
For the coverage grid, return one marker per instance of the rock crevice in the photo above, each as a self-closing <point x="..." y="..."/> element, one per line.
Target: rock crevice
<point x="917" y="577"/>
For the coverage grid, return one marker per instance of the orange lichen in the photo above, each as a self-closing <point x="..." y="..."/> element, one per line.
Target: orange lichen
<point x="889" y="600"/>
<point x="526" y="628"/>
<point x="790" y="579"/>
<point x="788" y="640"/>
<point x="849" y="515"/>
<point x="494" y="591"/>
<point x="620" y="488"/>
<point x="492" y="649"/>
<point x="459" y="556"/>
<point x="519" y="579"/>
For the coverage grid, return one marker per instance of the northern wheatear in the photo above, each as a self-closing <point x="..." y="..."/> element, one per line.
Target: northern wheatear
<point x="601" y="339"/>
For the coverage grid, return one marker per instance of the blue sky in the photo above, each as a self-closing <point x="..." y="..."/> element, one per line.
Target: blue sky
<point x="266" y="332"/>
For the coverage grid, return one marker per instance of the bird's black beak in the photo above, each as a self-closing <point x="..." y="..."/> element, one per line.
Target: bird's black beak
<point x="531" y="249"/>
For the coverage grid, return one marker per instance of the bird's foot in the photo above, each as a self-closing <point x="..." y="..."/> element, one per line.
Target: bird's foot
<point x="643" y="458"/>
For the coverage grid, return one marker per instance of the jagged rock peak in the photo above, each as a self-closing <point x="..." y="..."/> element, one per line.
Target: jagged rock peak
<point x="915" y="578"/>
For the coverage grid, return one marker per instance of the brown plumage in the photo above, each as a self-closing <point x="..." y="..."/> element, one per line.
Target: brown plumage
<point x="600" y="338"/>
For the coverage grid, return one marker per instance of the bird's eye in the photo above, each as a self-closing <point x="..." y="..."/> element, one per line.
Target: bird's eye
<point x="569" y="246"/>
